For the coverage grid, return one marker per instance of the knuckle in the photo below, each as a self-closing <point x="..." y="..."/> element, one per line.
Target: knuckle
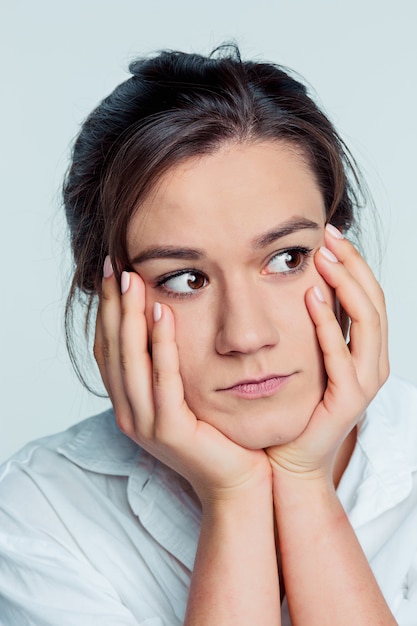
<point x="157" y="378"/>
<point x="350" y="249"/>
<point x="124" y="362"/>
<point x="106" y="349"/>
<point x="350" y="252"/>
<point x="126" y="423"/>
<point x="106" y="294"/>
<point x="160" y="378"/>
<point x="373" y="318"/>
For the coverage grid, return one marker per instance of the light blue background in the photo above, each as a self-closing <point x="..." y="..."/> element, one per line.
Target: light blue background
<point x="59" y="58"/>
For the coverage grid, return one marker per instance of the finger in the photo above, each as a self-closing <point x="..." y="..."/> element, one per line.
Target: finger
<point x="99" y="351"/>
<point x="356" y="264"/>
<point x="135" y="361"/>
<point x="172" y="413"/>
<point x="343" y="388"/>
<point x="108" y="331"/>
<point x="360" y="270"/>
<point x="184" y="441"/>
<point x="365" y="333"/>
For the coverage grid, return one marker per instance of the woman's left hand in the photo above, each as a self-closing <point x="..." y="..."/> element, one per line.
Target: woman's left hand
<point x="355" y="371"/>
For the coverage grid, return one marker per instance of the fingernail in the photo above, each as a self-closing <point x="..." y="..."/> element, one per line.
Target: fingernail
<point x="124" y="282"/>
<point x="328" y="254"/>
<point x="107" y="267"/>
<point x="334" y="232"/>
<point x="318" y="293"/>
<point x="157" y="311"/>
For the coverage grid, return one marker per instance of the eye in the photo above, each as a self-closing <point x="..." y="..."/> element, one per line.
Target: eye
<point x="288" y="261"/>
<point x="183" y="283"/>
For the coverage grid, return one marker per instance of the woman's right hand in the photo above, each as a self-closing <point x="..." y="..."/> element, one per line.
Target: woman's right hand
<point x="148" y="396"/>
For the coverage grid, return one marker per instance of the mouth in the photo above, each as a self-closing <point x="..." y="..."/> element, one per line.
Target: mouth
<point x="261" y="388"/>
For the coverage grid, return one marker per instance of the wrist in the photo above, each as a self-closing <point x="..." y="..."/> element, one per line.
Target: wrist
<point x="243" y="498"/>
<point x="253" y="484"/>
<point x="306" y="490"/>
<point x="286" y="470"/>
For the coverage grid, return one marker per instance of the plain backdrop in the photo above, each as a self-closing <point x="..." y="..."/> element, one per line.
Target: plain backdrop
<point x="58" y="59"/>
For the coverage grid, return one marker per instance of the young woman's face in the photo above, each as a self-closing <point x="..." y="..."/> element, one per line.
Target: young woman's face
<point x="227" y="241"/>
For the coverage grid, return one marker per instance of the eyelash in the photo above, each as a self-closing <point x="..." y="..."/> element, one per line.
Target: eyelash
<point x="162" y="280"/>
<point x="305" y="254"/>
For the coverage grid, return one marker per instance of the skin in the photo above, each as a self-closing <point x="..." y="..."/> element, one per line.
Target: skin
<point x="249" y="321"/>
<point x="250" y="456"/>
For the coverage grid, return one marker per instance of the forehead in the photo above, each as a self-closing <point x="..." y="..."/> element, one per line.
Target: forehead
<point x="241" y="189"/>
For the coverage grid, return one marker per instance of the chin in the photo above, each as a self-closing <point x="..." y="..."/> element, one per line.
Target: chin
<point x="266" y="422"/>
<point x="260" y="442"/>
<point x="268" y="430"/>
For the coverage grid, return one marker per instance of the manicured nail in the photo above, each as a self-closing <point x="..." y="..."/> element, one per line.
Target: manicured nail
<point x="124" y="282"/>
<point x="334" y="232"/>
<point x="318" y="293"/>
<point x="328" y="254"/>
<point x="157" y="311"/>
<point x="107" y="267"/>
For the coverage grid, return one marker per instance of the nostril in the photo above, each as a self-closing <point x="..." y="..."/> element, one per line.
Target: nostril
<point x="236" y="339"/>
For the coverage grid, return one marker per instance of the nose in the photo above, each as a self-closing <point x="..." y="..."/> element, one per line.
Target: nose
<point x="246" y="323"/>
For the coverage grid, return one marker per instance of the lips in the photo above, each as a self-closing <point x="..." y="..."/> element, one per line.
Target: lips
<point x="261" y="388"/>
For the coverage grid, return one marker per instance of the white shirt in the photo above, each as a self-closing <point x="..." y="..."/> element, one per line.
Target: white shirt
<point x="93" y="530"/>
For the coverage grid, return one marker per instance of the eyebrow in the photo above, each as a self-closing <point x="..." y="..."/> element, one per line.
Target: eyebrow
<point x="194" y="254"/>
<point x="168" y="252"/>
<point x="285" y="229"/>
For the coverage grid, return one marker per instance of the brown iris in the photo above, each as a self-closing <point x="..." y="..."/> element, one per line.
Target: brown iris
<point x="196" y="281"/>
<point x="293" y="259"/>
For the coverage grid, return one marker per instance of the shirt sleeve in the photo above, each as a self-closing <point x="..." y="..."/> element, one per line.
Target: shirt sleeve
<point x="46" y="577"/>
<point x="406" y="613"/>
<point x="42" y="584"/>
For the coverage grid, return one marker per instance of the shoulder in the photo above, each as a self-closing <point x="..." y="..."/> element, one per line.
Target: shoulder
<point x="85" y="515"/>
<point x="70" y="545"/>
<point x="52" y="463"/>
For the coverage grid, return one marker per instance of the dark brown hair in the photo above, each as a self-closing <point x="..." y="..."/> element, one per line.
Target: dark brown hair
<point x="175" y="106"/>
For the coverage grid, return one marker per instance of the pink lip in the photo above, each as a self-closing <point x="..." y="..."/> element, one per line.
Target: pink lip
<point x="263" y="388"/>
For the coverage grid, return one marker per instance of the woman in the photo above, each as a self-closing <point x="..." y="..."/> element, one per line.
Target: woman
<point x="207" y="201"/>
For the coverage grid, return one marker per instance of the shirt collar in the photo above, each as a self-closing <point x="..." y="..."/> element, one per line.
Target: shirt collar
<point x="378" y="477"/>
<point x="97" y="445"/>
<point x="164" y="502"/>
<point x="167" y="507"/>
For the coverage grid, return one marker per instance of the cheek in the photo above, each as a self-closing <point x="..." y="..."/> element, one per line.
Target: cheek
<point x="190" y="337"/>
<point x="298" y="332"/>
<point x="194" y="348"/>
